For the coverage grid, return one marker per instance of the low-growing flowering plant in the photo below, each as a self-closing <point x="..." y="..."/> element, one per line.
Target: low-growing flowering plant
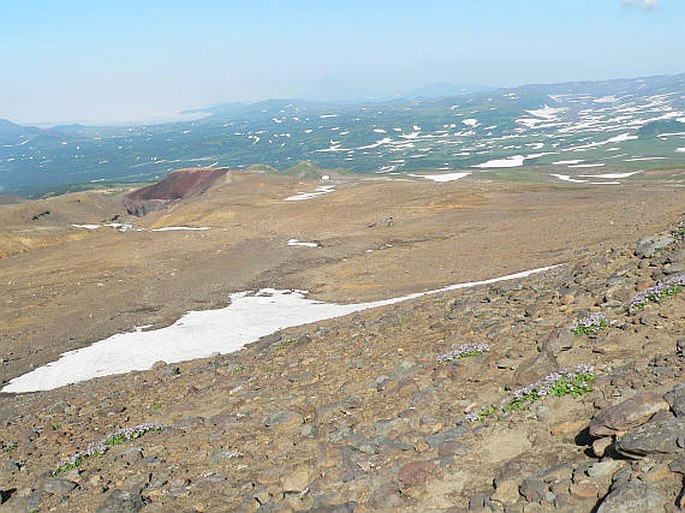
<point x="102" y="446"/>
<point x="464" y="351"/>
<point x="590" y="325"/>
<point x="574" y="382"/>
<point x="8" y="446"/>
<point x="666" y="288"/>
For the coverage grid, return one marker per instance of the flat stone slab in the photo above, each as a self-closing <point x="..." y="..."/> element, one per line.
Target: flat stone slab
<point x="634" y="497"/>
<point x="655" y="437"/>
<point x="626" y="415"/>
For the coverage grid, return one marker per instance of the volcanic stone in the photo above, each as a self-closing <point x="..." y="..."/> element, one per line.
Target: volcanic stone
<point x="676" y="398"/>
<point x="634" y="497"/>
<point x="630" y="413"/>
<point x="656" y="437"/>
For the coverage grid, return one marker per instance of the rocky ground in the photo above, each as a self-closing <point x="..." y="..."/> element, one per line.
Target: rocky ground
<point x="358" y="414"/>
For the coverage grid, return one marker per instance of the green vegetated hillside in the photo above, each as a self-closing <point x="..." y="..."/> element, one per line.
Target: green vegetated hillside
<point x="632" y="124"/>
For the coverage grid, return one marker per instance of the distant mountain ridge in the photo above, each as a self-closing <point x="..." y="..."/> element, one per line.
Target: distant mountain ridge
<point x="603" y="124"/>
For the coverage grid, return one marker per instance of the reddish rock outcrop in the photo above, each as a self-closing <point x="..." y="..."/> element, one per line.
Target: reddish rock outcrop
<point x="179" y="184"/>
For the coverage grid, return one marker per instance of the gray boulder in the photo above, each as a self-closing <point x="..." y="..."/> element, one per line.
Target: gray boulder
<point x="655" y="437"/>
<point x="676" y="398"/>
<point x="626" y="415"/>
<point x="647" y="246"/>
<point x="635" y="497"/>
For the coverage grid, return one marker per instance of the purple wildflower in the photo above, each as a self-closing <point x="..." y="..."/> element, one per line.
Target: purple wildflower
<point x="662" y="289"/>
<point x="464" y="351"/>
<point x="573" y="382"/>
<point x="590" y="325"/>
<point x="100" y="447"/>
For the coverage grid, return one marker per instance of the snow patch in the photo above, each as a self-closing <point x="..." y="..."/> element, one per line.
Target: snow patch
<point x="445" y="177"/>
<point x="320" y="191"/>
<point x="295" y="242"/>
<point x="587" y="165"/>
<point x="515" y="161"/>
<point x="621" y="138"/>
<point x="248" y="317"/>
<point x="640" y="159"/>
<point x="181" y="229"/>
<point x="567" y="162"/>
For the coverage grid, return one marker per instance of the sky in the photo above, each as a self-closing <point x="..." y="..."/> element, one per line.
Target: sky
<point x="112" y="61"/>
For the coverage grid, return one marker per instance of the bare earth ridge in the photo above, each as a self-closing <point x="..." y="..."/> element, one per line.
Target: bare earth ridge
<point x="355" y="413"/>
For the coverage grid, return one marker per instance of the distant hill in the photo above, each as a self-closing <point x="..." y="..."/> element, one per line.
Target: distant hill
<point x="665" y="126"/>
<point x="13" y="134"/>
<point x="604" y="124"/>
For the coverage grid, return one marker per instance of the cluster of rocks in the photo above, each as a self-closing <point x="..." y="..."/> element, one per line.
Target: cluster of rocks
<point x="356" y="413"/>
<point x="639" y="450"/>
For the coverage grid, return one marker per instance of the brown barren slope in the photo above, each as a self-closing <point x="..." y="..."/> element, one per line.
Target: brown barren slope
<point x="355" y="414"/>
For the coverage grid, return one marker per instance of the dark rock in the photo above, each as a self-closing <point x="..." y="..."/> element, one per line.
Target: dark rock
<point x="561" y="501"/>
<point x="448" y="434"/>
<point x="449" y="449"/>
<point x="59" y="486"/>
<point x="58" y="407"/>
<point x="676" y="398"/>
<point x="558" y="341"/>
<point x="171" y="370"/>
<point x="5" y="495"/>
<point x="10" y="466"/>
<point x="621" y="477"/>
<point x="628" y="414"/>
<point x="400" y="387"/>
<point x="122" y="501"/>
<point x="555" y="473"/>
<point x="535" y="368"/>
<point x="514" y="469"/>
<point x="656" y="437"/>
<point x="680" y="347"/>
<point x="533" y="489"/>
<point x="477" y="502"/>
<point x="346" y="507"/>
<point x="189" y="423"/>
<point x="222" y="455"/>
<point x="415" y="474"/>
<point x="648" y="246"/>
<point x="283" y="419"/>
<point x="132" y="456"/>
<point x="387" y="497"/>
<point x="270" y="507"/>
<point x="584" y="490"/>
<point x="678" y="465"/>
<point x="635" y="497"/>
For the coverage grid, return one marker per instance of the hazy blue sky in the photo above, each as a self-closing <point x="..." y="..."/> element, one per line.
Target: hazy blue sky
<point x="115" y="60"/>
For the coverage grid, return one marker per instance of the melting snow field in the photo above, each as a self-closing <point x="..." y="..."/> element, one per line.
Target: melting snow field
<point x="125" y="227"/>
<point x="249" y="317"/>
<point x="181" y="229"/>
<point x="320" y="191"/>
<point x="445" y="177"/>
<point x="295" y="242"/>
<point x="515" y="161"/>
<point x="569" y="178"/>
